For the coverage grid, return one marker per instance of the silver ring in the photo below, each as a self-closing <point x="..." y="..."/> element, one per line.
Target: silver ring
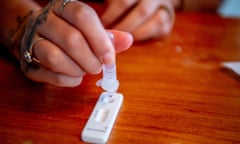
<point x="28" y="54"/>
<point x="64" y="3"/>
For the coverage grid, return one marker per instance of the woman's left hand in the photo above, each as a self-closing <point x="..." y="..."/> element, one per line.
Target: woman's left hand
<point x="145" y="19"/>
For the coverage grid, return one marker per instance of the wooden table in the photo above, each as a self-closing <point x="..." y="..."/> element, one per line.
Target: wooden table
<point x="175" y="92"/>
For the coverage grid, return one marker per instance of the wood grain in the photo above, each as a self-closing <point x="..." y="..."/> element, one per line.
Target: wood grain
<point x="175" y="92"/>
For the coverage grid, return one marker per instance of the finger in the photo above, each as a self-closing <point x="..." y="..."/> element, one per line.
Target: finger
<point x="158" y="26"/>
<point x="86" y="20"/>
<point x="72" y="42"/>
<point x="44" y="75"/>
<point x="138" y="15"/>
<point x="121" y="40"/>
<point x="115" y="10"/>
<point x="54" y="59"/>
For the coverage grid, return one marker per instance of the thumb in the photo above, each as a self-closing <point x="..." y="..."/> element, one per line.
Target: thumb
<point x="121" y="40"/>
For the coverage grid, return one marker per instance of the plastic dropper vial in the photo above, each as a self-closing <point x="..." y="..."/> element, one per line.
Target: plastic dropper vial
<point x="109" y="81"/>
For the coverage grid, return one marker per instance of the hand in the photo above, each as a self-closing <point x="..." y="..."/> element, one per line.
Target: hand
<point x="145" y="19"/>
<point x="75" y="43"/>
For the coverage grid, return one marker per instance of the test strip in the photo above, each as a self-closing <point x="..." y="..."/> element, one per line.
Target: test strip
<point x="103" y="116"/>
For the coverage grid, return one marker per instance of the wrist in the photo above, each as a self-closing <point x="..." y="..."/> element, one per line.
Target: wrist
<point x="15" y="35"/>
<point x="14" y="15"/>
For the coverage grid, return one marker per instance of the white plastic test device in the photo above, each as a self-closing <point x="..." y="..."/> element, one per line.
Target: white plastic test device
<point x="104" y="114"/>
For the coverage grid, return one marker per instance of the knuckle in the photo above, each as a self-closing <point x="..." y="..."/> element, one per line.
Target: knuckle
<point x="72" y="39"/>
<point x="52" y="58"/>
<point x="83" y="12"/>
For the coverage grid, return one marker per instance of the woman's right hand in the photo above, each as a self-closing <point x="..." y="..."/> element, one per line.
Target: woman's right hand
<point x="74" y="43"/>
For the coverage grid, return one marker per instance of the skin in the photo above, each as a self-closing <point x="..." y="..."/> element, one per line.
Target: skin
<point x="145" y="18"/>
<point x="77" y="41"/>
<point x="71" y="47"/>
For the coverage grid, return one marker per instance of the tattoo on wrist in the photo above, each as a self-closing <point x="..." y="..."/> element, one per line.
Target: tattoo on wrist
<point x="14" y="34"/>
<point x="30" y="32"/>
<point x="20" y="38"/>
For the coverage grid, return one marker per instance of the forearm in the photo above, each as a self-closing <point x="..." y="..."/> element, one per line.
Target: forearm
<point x="14" y="15"/>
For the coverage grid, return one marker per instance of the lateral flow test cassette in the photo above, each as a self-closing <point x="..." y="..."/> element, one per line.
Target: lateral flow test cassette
<point x="104" y="114"/>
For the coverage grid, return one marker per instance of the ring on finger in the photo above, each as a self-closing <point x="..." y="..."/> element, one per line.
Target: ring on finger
<point x="64" y="3"/>
<point x="28" y="54"/>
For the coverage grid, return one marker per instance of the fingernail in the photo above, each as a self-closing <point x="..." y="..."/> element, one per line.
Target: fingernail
<point x="108" y="58"/>
<point x="130" y="39"/>
<point x="111" y="36"/>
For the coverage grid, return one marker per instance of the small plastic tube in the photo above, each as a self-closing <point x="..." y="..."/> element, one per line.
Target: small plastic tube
<point x="109" y="81"/>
